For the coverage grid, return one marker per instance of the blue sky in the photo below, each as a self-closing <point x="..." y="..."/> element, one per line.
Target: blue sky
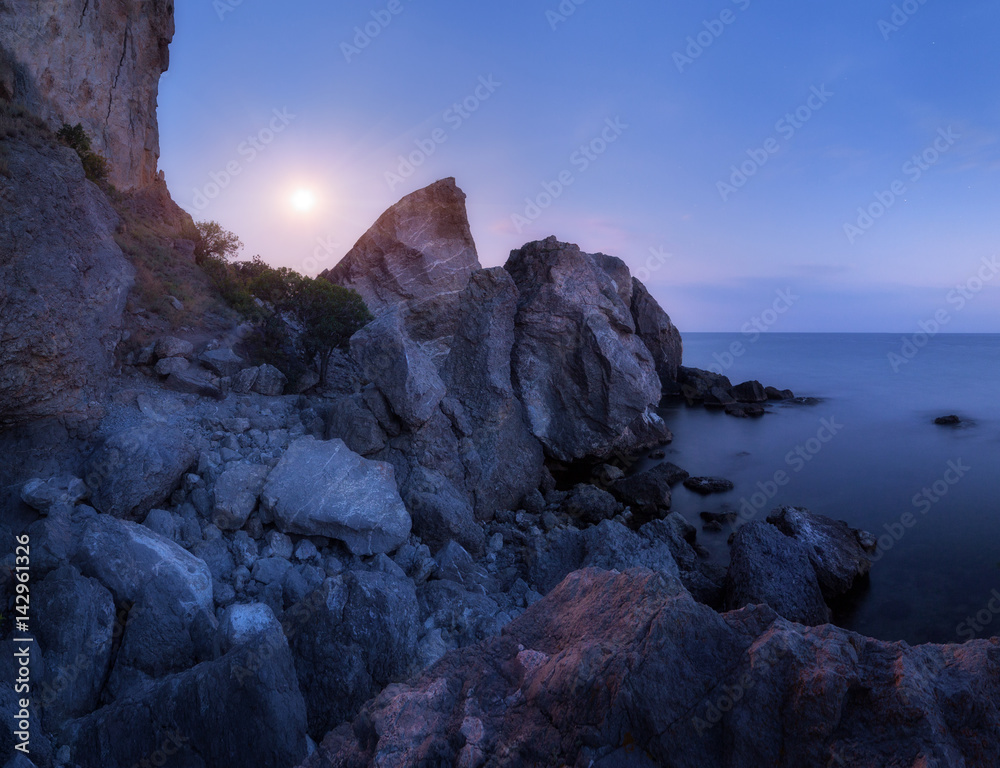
<point x="617" y="126"/>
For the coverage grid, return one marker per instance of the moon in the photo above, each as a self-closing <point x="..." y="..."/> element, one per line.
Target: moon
<point x="303" y="200"/>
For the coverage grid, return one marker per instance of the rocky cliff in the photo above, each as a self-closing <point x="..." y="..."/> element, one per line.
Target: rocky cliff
<point x="97" y="63"/>
<point x="62" y="288"/>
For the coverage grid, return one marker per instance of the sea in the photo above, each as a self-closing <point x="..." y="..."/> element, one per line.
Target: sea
<point x="864" y="448"/>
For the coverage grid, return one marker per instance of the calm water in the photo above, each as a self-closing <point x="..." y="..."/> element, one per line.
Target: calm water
<point x="932" y="576"/>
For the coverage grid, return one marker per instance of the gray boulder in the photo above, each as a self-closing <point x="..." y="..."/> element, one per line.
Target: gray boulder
<point x="74" y="617"/>
<point x="705" y="486"/>
<point x="698" y="386"/>
<point x="399" y="368"/>
<point x="249" y="624"/>
<point x="236" y="494"/>
<point x="589" y="504"/>
<point x="243" y="381"/>
<point x="169" y="365"/>
<point x="269" y="381"/>
<point x="417" y="251"/>
<point x="193" y="382"/>
<point x="325" y="489"/>
<point x="171" y="346"/>
<point x="244" y="708"/>
<point x="610" y="546"/>
<point x="750" y="392"/>
<point x="649" y="493"/>
<point x="137" y="469"/>
<point x="769" y="568"/>
<point x="660" y="336"/>
<point x="62" y="288"/>
<point x="504" y="460"/>
<point x="223" y="362"/>
<point x="580" y="370"/>
<point x="167" y="590"/>
<point x="352" y="421"/>
<point x="42" y="495"/>
<point x="357" y="635"/>
<point x="834" y="548"/>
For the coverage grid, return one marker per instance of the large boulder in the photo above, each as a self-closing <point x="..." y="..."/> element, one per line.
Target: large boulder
<point x="834" y="548"/>
<point x="325" y="489"/>
<point x="622" y="669"/>
<point x="244" y="708"/>
<point x="453" y="429"/>
<point x="418" y="251"/>
<point x="137" y="469"/>
<point x="358" y="635"/>
<point x="166" y="591"/>
<point x="610" y="546"/>
<point x="399" y="368"/>
<point x="62" y="288"/>
<point x="236" y="494"/>
<point x="74" y="617"/>
<point x="658" y="333"/>
<point x="769" y="568"/>
<point x="504" y="460"/>
<point x="580" y="370"/>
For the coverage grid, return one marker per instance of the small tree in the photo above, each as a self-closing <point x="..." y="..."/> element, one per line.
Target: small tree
<point x="300" y="320"/>
<point x="214" y="242"/>
<point x="95" y="165"/>
<point x="329" y="315"/>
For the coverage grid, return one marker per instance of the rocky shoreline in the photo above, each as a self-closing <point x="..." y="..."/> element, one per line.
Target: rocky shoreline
<point x="389" y="572"/>
<point x="446" y="555"/>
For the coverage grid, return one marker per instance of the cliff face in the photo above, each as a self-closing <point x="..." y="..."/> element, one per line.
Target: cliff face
<point x="95" y="62"/>
<point x="62" y="288"/>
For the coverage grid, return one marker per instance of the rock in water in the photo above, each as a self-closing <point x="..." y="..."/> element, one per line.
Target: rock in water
<point x="62" y="288"/>
<point x="420" y="253"/>
<point x="659" y="335"/>
<point x="770" y="568"/>
<point x="325" y="489"/>
<point x="834" y="549"/>
<point x="706" y="486"/>
<point x="580" y="370"/>
<point x="98" y="64"/>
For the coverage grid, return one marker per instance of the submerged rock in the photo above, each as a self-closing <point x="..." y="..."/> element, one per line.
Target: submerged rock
<point x="708" y="485"/>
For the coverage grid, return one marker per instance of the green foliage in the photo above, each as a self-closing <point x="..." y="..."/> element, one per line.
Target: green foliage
<point x="95" y="165"/>
<point x="214" y="242"/>
<point x="298" y="320"/>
